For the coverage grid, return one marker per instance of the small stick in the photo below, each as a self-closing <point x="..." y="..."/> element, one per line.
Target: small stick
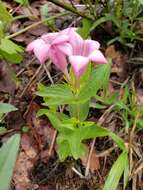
<point x="70" y="8"/>
<point x="106" y="152"/>
<point x="47" y="71"/>
<point x="52" y="143"/>
<point x="28" y="85"/>
<point x="77" y="172"/>
<point x="138" y="169"/>
<point x="89" y="158"/>
<point x="35" y="24"/>
<point x="130" y="141"/>
<point x="100" y="121"/>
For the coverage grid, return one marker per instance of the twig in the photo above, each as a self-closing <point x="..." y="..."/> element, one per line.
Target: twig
<point x="35" y="24"/>
<point x="106" y="152"/>
<point x="131" y="135"/>
<point x="47" y="71"/>
<point x="28" y="85"/>
<point x="70" y="8"/>
<point x="77" y="172"/>
<point x="134" y="184"/>
<point x="19" y="73"/>
<point x="138" y="169"/>
<point x="52" y="143"/>
<point x="100" y="121"/>
<point x="72" y="4"/>
<point x="89" y="158"/>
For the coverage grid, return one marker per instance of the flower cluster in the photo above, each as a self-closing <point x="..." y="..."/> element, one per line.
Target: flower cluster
<point x="66" y="47"/>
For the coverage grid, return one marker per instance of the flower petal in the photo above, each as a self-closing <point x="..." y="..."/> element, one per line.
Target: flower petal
<point x="42" y="52"/>
<point x="60" y="39"/>
<point x="66" y="48"/>
<point x="58" y="58"/>
<point x="34" y="44"/>
<point x="79" y="64"/>
<point x="98" y="57"/>
<point x="49" y="37"/>
<point x="68" y="30"/>
<point x="76" y="42"/>
<point x="90" y="46"/>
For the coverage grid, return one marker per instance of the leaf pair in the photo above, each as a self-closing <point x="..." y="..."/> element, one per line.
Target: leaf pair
<point x="72" y="133"/>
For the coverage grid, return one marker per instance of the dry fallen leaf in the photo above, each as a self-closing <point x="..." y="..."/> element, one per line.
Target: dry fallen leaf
<point x="21" y="172"/>
<point x="28" y="146"/>
<point x="119" y="61"/>
<point x="94" y="161"/>
<point x="7" y="84"/>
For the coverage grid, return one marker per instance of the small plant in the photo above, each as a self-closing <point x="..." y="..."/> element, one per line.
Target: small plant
<point x="124" y="17"/>
<point x="83" y="79"/>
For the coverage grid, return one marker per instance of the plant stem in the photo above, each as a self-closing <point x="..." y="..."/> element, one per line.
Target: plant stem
<point x="131" y="135"/>
<point x="77" y="87"/>
<point x="89" y="158"/>
<point x="68" y="7"/>
<point x="35" y="24"/>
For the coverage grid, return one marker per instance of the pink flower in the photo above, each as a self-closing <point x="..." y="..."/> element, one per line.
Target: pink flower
<point x="84" y="51"/>
<point x="57" y="46"/>
<point x="54" y="46"/>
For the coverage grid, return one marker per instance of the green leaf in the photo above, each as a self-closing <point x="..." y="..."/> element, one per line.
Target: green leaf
<point x="116" y="172"/>
<point x="118" y="141"/>
<point x="106" y="18"/>
<point x="8" y="154"/>
<point x="121" y="105"/>
<point x="5" y="108"/>
<point x="2" y="130"/>
<point x="1" y="29"/>
<point x="44" y="11"/>
<point x="55" y="121"/>
<point x="79" y="111"/>
<point x="64" y="149"/>
<point x="56" y="94"/>
<point x="97" y="105"/>
<point x="126" y="173"/>
<point x="84" y="31"/>
<point x="10" y="51"/>
<point x="98" y="80"/>
<point x="22" y="2"/>
<point x="5" y="16"/>
<point x="141" y="2"/>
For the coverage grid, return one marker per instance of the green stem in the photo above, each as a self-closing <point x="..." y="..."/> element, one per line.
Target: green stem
<point x="70" y="8"/>
<point x="77" y="87"/>
<point x="35" y="24"/>
<point x="92" y="11"/>
<point x="23" y="17"/>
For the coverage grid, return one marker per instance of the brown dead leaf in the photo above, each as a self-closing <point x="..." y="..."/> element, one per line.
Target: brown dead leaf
<point x="21" y="172"/>
<point x="119" y="61"/>
<point x="28" y="146"/>
<point x="94" y="161"/>
<point x="46" y="132"/>
<point x="27" y="11"/>
<point x="15" y="120"/>
<point x="38" y="30"/>
<point x="111" y="52"/>
<point x="7" y="84"/>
